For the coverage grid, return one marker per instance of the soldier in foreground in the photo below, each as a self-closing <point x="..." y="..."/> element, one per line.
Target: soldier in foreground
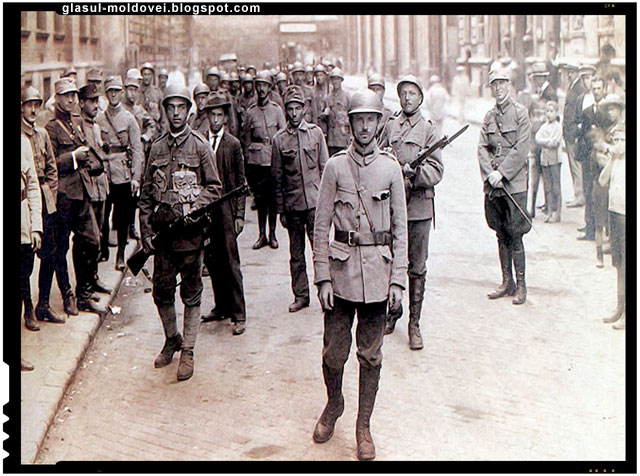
<point x="502" y="153"/>
<point x="364" y="268"/>
<point x="180" y="177"/>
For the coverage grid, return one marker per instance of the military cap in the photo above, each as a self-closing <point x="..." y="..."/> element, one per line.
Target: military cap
<point x="30" y="94"/>
<point x="308" y="69"/>
<point x="200" y="88"/>
<point x="297" y="67"/>
<point x="113" y="82"/>
<point x="263" y="76"/>
<point x="213" y="71"/>
<point x="410" y="79"/>
<point x="498" y="73"/>
<point x="131" y="81"/>
<point x="612" y="100"/>
<point x="89" y="91"/>
<point x="281" y="77"/>
<point x="225" y="77"/>
<point x="94" y="74"/>
<point x="66" y="85"/>
<point x="319" y="68"/>
<point x="217" y="99"/>
<point x="365" y="100"/>
<point x="247" y="78"/>
<point x="68" y="72"/>
<point x="375" y="79"/>
<point x="177" y="90"/>
<point x="294" y="94"/>
<point x="147" y="65"/>
<point x="336" y="73"/>
<point x="134" y="73"/>
<point x="587" y="69"/>
<point x="163" y="72"/>
<point x="539" y="69"/>
<point x="326" y="63"/>
<point x="233" y="76"/>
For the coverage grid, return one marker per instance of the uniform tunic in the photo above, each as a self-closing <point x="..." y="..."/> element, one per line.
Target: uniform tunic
<point x="337" y="108"/>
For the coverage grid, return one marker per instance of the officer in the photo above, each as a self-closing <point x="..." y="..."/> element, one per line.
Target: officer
<point x="297" y="77"/>
<point x="180" y="177"/>
<point x="376" y="83"/>
<point x="163" y="77"/>
<point x="221" y="255"/>
<point x="150" y="95"/>
<point x="89" y="97"/>
<point x="47" y="173"/>
<point x="364" y="268"/>
<point x="299" y="156"/>
<point x="335" y="114"/>
<point x="198" y="120"/>
<point x="94" y="76"/>
<point x="408" y="133"/>
<point x="502" y="153"/>
<point x="76" y="189"/>
<point x="264" y="119"/>
<point x="148" y="127"/>
<point x="124" y="163"/>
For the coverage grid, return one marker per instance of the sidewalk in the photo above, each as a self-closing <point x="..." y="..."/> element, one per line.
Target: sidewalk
<point x="56" y="350"/>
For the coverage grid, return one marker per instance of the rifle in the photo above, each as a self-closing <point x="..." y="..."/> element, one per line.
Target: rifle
<point x="425" y="153"/>
<point x="168" y="233"/>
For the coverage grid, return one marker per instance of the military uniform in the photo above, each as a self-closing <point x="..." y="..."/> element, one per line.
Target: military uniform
<point x="123" y="163"/>
<point x="338" y="132"/>
<point x="299" y="157"/>
<point x="362" y="196"/>
<point x="198" y="121"/>
<point x="148" y="127"/>
<point x="504" y="146"/>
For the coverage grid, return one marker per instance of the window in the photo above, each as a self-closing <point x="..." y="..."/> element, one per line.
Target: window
<point x="93" y="26"/>
<point x="84" y="35"/>
<point x="42" y="21"/>
<point x="59" y="26"/>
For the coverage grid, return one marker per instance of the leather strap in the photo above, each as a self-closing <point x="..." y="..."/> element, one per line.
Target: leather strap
<point x="356" y="238"/>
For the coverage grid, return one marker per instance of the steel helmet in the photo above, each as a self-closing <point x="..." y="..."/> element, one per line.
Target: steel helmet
<point x="233" y="76"/>
<point x="410" y="79"/>
<point x="319" y="68"/>
<point x="263" y="76"/>
<point x="176" y="90"/>
<point x="200" y="88"/>
<point x="131" y="81"/>
<point x="147" y="65"/>
<point x="281" y="77"/>
<point x="213" y="71"/>
<point x="365" y="100"/>
<point x="336" y="73"/>
<point x="225" y="77"/>
<point x="163" y="72"/>
<point x="297" y="67"/>
<point x="31" y="94"/>
<point x="308" y="69"/>
<point x="375" y="79"/>
<point x="247" y="78"/>
<point x="134" y="73"/>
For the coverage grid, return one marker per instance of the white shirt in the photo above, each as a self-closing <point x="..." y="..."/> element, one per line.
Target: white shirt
<point x="215" y="139"/>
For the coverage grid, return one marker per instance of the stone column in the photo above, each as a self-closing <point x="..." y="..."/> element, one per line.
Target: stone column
<point x="422" y="49"/>
<point x="404" y="45"/>
<point x="389" y="45"/>
<point x="591" y="36"/>
<point x="367" y="42"/>
<point x="377" y="44"/>
<point x="358" y="45"/>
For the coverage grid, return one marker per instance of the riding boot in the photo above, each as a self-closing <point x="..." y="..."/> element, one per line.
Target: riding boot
<point x="273" y="223"/>
<point x="83" y="266"/>
<point x="261" y="242"/>
<point x="521" y="286"/>
<point x="369" y="378"/>
<point x="173" y="340"/>
<point x="335" y="404"/>
<point x="416" y="296"/>
<point x="508" y="287"/>
<point x="123" y="234"/>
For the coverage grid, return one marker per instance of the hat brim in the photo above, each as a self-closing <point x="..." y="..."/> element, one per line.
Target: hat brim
<point x="68" y="90"/>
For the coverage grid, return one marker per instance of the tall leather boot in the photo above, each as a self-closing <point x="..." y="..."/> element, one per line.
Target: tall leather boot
<point x="123" y="235"/>
<point x="273" y="223"/>
<point x="335" y="404"/>
<point x="519" y="265"/>
<point x="508" y="287"/>
<point x="30" y="316"/>
<point x="191" y="324"/>
<point x="262" y="241"/>
<point x="173" y="340"/>
<point x="416" y="296"/>
<point x="83" y="265"/>
<point x="45" y="279"/>
<point x="369" y="378"/>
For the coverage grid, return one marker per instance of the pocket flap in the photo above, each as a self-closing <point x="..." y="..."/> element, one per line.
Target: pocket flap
<point x="191" y="162"/>
<point x="385" y="251"/>
<point x="160" y="162"/>
<point x="346" y="196"/>
<point x="339" y="251"/>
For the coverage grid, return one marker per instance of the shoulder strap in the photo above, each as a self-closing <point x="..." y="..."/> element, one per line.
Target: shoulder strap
<point x="495" y="118"/>
<point x="356" y="181"/>
<point x="70" y="133"/>
<point x="106" y="114"/>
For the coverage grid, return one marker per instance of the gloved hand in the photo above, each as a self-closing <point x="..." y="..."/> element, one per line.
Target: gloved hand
<point x="495" y="179"/>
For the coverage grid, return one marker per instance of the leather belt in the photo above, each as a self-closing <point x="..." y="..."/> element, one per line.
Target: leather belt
<point x="359" y="238"/>
<point x="114" y="149"/>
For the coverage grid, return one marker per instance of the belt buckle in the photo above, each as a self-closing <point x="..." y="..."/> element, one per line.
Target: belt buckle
<point x="350" y="235"/>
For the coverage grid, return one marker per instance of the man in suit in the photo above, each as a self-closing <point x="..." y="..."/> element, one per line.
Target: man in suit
<point x="569" y="131"/>
<point x="221" y="255"/>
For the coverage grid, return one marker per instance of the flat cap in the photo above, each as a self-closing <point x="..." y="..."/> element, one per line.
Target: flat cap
<point x="113" y="82"/>
<point x="66" y="85"/>
<point x="94" y="74"/>
<point x="498" y="73"/>
<point x="538" y="69"/>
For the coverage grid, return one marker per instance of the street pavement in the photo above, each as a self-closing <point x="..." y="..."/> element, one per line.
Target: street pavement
<point x="542" y="381"/>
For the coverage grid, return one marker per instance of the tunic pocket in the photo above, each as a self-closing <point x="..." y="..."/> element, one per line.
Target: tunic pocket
<point x="339" y="251"/>
<point x="346" y="197"/>
<point x="311" y="155"/>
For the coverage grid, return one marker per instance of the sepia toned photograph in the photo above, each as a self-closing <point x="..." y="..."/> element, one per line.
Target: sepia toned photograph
<point x="258" y="235"/>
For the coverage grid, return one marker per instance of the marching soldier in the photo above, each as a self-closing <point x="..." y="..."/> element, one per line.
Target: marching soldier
<point x="89" y="97"/>
<point x="221" y="255"/>
<point x="163" y="77"/>
<point x="77" y="165"/>
<point x="94" y="76"/>
<point x="198" y="120"/>
<point x="147" y="125"/>
<point x="150" y="95"/>
<point x="308" y="75"/>
<point x="297" y="77"/>
<point x="264" y="119"/>
<point x="364" y="268"/>
<point x="124" y="162"/>
<point x="47" y="173"/>
<point x="375" y="82"/>
<point x="502" y="154"/>
<point x="299" y="157"/>
<point x="320" y="93"/>
<point x="246" y="99"/>
<point x="213" y="78"/>
<point x="336" y="114"/>
<point x="408" y="133"/>
<point x="277" y="92"/>
<point x="180" y="177"/>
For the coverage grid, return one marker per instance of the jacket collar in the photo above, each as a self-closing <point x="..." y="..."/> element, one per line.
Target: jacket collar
<point x="363" y="156"/>
<point x="502" y="108"/>
<point x="28" y="129"/>
<point x="413" y="119"/>
<point x="180" y="138"/>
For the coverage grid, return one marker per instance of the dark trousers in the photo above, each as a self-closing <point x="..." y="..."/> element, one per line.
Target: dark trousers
<point x="536" y="173"/>
<point x="222" y="259"/>
<point x="26" y="268"/>
<point x="589" y="212"/>
<point x="299" y="225"/>
<point x="552" y="190"/>
<point x="122" y="202"/>
<point x="369" y="333"/>
<point x="418" y="247"/>
<point x="167" y="264"/>
<point x="261" y="183"/>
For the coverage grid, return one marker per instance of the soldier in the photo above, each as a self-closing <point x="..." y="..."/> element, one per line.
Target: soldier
<point x="335" y="113"/>
<point x="89" y="96"/>
<point x="297" y="77"/>
<point x="364" y="268"/>
<point x="264" y="119"/>
<point x="94" y="76"/>
<point x="502" y="154"/>
<point x="124" y="162"/>
<point x="148" y="127"/>
<point x="320" y="93"/>
<point x="213" y="78"/>
<point x="150" y="95"/>
<point x="277" y="93"/>
<point x="375" y="82"/>
<point x="180" y="177"/>
<point x="408" y="133"/>
<point x="309" y="75"/>
<point x="436" y="100"/>
<point x="569" y="131"/>
<point x="299" y="157"/>
<point x="47" y="173"/>
<point x="245" y="100"/>
<point x="251" y="70"/>
<point x="224" y="81"/>
<point x="163" y="76"/>
<point x="221" y="256"/>
<point x="234" y="85"/>
<point x="76" y="188"/>
<point x="198" y="120"/>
